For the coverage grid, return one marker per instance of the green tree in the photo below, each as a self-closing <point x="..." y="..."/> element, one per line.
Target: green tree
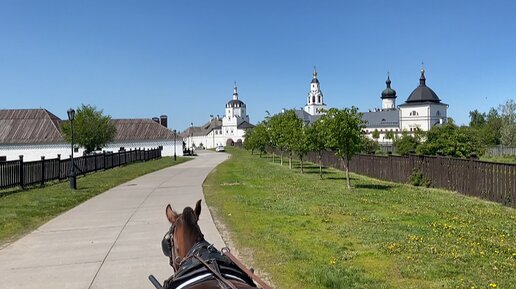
<point x="406" y="144"/>
<point x="451" y="140"/>
<point x="376" y="134"/>
<point x="301" y="145"/>
<point x="477" y="119"/>
<point x="257" y="138"/>
<point x="389" y="135"/>
<point x="369" y="146"/>
<point x="343" y="129"/>
<point x="92" y="129"/>
<point x="276" y="138"/>
<point x="316" y="140"/>
<point x="508" y="129"/>
<point x="292" y="135"/>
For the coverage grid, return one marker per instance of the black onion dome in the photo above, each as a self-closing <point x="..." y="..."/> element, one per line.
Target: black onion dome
<point x="235" y="103"/>
<point x="388" y="92"/>
<point x="423" y="93"/>
<point x="315" y="80"/>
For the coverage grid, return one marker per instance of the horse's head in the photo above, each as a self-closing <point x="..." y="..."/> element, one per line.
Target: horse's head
<point x="183" y="234"/>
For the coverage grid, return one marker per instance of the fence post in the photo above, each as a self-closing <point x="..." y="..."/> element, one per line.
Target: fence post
<point x="59" y="166"/>
<point x="21" y="171"/>
<point x="42" y="170"/>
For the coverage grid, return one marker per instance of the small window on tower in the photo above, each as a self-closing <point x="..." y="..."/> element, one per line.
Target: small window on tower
<point x="438" y="113"/>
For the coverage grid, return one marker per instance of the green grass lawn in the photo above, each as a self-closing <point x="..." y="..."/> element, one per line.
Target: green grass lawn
<point x="23" y="211"/>
<point x="500" y="159"/>
<point x="312" y="233"/>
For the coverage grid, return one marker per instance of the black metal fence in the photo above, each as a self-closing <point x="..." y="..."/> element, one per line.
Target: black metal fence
<point x="491" y="181"/>
<point x="22" y="174"/>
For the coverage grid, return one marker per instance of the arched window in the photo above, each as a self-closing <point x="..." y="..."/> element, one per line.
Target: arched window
<point x="438" y="113"/>
<point x="319" y="99"/>
<point x="413" y="113"/>
<point x="313" y="99"/>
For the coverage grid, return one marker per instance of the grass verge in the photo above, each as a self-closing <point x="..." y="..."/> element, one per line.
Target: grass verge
<point x="23" y="211"/>
<point x="311" y="233"/>
<point x="500" y="159"/>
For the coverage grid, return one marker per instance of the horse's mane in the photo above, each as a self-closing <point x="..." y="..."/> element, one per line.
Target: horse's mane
<point x="190" y="220"/>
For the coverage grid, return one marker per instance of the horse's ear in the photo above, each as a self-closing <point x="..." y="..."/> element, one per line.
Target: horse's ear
<point x="197" y="210"/>
<point x="171" y="215"/>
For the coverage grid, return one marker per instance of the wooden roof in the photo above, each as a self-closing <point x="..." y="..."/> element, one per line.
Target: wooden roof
<point x="140" y="129"/>
<point x="29" y="126"/>
<point x="39" y="126"/>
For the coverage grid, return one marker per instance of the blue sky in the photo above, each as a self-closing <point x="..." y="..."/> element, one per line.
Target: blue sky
<point x="139" y="59"/>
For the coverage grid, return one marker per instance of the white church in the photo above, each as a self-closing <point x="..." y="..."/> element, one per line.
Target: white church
<point x="226" y="131"/>
<point x="421" y="111"/>
<point x="315" y="106"/>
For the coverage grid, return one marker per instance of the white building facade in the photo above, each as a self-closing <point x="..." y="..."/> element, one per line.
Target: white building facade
<point x="421" y="111"/>
<point x="36" y="133"/>
<point x="228" y="130"/>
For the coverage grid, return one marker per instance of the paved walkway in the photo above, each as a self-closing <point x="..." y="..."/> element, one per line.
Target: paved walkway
<point x="114" y="239"/>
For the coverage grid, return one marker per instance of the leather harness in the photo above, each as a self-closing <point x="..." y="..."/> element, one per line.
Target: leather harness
<point x="204" y="262"/>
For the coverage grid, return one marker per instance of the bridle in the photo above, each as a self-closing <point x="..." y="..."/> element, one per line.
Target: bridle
<point x="169" y="250"/>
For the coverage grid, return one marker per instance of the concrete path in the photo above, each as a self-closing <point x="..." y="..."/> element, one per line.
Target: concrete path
<point x="114" y="239"/>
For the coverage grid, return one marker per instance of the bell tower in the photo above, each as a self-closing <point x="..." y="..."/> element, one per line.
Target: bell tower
<point x="315" y="103"/>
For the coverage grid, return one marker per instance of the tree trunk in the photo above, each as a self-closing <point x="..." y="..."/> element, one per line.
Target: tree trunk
<point x="320" y="166"/>
<point x="281" y="159"/>
<point x="290" y="161"/>
<point x="301" y="160"/>
<point x="347" y="174"/>
<point x="273" y="157"/>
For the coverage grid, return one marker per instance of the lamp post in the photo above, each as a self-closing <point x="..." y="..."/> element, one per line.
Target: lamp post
<point x="175" y="144"/>
<point x="73" y="179"/>
<point x="191" y="137"/>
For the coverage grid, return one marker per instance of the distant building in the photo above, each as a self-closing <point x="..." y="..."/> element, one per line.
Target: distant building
<point x="315" y="106"/>
<point x="224" y="131"/>
<point x="34" y="133"/>
<point x="421" y="111"/>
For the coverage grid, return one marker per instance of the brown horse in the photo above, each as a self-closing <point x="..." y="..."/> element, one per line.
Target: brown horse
<point x="197" y="264"/>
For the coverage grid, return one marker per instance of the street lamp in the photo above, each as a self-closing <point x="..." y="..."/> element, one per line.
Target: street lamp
<point x="73" y="178"/>
<point x="191" y="137"/>
<point x="175" y="144"/>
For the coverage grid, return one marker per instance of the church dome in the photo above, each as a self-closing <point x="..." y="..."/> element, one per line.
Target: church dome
<point x="388" y="92"/>
<point x="315" y="80"/>
<point x="423" y="93"/>
<point x="234" y="103"/>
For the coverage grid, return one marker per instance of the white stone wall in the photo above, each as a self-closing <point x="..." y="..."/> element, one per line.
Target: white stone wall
<point x="168" y="146"/>
<point x="383" y="133"/>
<point x="49" y="151"/>
<point x="423" y="116"/>
<point x="211" y="141"/>
<point x="388" y="103"/>
<point x="415" y="116"/>
<point x="34" y="152"/>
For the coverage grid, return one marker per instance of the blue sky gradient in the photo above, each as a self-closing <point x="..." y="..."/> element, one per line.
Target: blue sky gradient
<point x="139" y="59"/>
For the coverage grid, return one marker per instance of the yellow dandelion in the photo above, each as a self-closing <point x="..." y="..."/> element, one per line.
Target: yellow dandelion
<point x="492" y="285"/>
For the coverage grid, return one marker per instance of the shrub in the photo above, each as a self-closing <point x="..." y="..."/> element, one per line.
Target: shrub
<point x="418" y="179"/>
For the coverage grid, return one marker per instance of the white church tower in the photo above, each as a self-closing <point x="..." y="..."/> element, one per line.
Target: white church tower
<point x="388" y="96"/>
<point x="235" y="111"/>
<point x="315" y="103"/>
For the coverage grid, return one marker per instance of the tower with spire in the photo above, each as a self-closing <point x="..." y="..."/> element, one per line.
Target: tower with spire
<point x="315" y="102"/>
<point x="423" y="109"/>
<point x="235" y="110"/>
<point x="388" y="96"/>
